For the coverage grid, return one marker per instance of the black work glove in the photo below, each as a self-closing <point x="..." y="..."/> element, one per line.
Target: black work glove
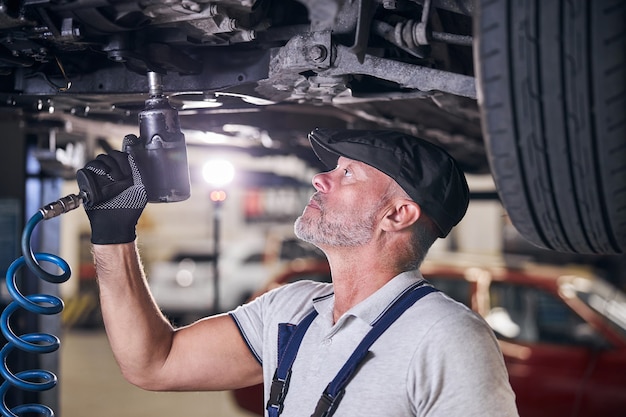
<point x="116" y="197"/>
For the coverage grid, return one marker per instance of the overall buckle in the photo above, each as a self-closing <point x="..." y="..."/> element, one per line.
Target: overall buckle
<point x="278" y="392"/>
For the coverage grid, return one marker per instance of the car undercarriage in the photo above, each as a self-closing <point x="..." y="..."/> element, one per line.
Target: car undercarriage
<point x="531" y="92"/>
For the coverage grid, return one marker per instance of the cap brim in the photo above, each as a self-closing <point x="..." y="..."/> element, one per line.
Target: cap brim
<point x="324" y="154"/>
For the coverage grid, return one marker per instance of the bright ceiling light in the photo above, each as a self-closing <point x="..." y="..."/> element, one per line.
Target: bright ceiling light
<point x="218" y="172"/>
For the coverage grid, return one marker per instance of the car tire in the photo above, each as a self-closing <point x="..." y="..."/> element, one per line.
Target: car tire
<point x="552" y="91"/>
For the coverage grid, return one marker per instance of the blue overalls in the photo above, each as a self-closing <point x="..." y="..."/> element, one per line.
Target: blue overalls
<point x="290" y="337"/>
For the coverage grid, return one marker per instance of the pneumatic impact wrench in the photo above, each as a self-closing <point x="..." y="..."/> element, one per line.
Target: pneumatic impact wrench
<point x="159" y="152"/>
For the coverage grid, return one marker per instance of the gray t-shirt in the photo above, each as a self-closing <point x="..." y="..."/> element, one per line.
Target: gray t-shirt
<point x="438" y="359"/>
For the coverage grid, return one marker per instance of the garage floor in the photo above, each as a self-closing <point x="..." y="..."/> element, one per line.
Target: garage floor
<point x="90" y="384"/>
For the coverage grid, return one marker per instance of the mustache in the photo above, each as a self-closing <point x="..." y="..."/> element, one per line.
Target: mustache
<point x="317" y="199"/>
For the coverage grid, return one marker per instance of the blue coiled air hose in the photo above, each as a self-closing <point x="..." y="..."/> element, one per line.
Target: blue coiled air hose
<point x="45" y="304"/>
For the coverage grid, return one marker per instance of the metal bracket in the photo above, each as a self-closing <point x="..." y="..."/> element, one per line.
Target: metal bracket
<point x="304" y="52"/>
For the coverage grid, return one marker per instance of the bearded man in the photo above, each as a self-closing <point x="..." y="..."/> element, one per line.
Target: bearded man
<point x="377" y="341"/>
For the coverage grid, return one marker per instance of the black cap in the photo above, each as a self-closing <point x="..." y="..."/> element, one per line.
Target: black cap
<point x="427" y="173"/>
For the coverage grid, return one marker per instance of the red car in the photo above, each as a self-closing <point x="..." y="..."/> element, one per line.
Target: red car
<point x="562" y="331"/>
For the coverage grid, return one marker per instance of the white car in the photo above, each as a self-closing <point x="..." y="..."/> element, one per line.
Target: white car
<point x="184" y="287"/>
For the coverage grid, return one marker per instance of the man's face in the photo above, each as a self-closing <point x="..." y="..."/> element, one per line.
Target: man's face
<point x="347" y="206"/>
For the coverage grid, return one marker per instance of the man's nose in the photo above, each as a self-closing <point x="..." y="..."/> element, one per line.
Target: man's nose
<point x="321" y="182"/>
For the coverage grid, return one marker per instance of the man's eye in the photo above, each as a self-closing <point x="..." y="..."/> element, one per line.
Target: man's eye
<point x="347" y="173"/>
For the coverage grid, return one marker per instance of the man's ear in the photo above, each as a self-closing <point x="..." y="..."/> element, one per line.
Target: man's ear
<point x="401" y="215"/>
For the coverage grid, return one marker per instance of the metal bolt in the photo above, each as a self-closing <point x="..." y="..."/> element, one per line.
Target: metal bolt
<point x="248" y="35"/>
<point x="212" y="10"/>
<point x="317" y="53"/>
<point x="231" y="24"/>
<point x="192" y="6"/>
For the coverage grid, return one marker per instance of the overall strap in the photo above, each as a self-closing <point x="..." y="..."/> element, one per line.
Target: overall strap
<point x="280" y="381"/>
<point x="333" y="393"/>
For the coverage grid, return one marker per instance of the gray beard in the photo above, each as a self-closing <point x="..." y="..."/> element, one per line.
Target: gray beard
<point x="325" y="233"/>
